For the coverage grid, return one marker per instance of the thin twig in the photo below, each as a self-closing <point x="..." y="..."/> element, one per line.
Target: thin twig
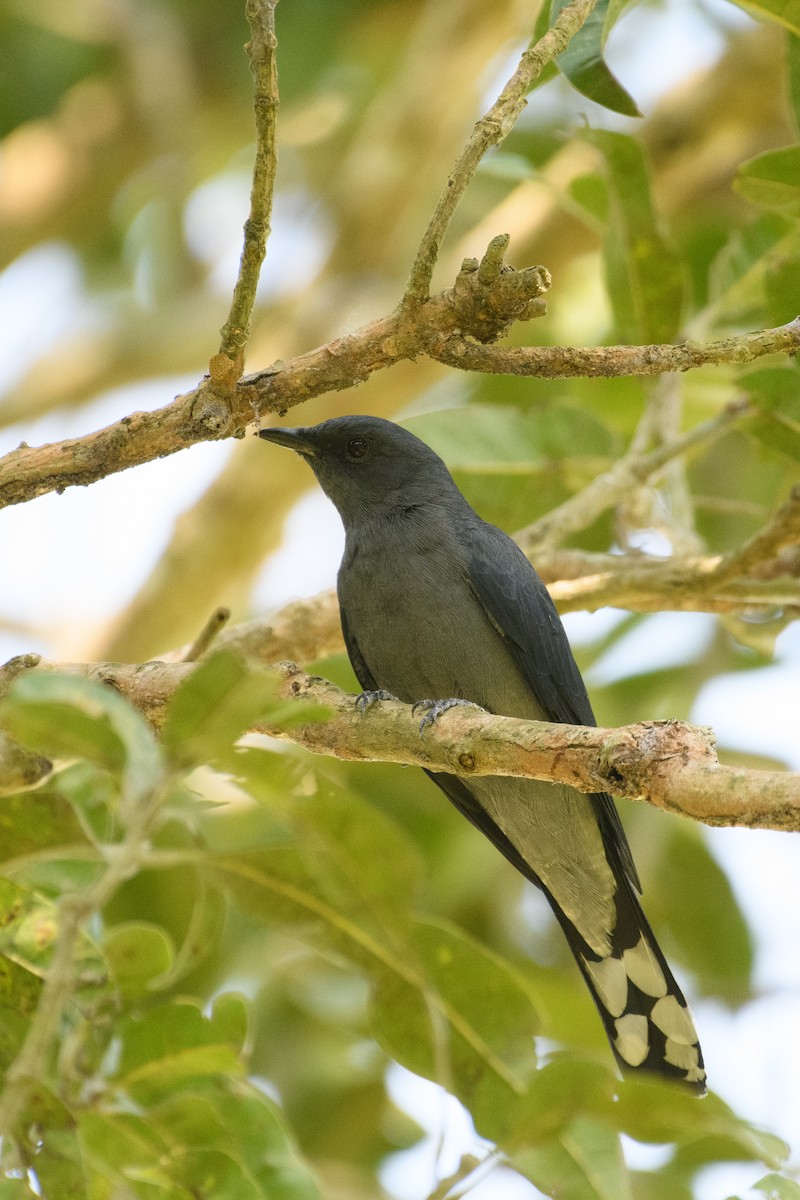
<point x="627" y="473"/>
<point x="566" y="362"/>
<point x="207" y="635"/>
<point x="783" y="530"/>
<point x="261" y="50"/>
<point x="489" y="131"/>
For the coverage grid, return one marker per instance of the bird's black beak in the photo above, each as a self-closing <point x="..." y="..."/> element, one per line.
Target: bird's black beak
<point x="295" y="439"/>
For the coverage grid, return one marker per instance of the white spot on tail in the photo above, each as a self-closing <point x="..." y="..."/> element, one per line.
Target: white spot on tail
<point x="674" y="1020"/>
<point x="632" y="1042"/>
<point x="685" y="1057"/>
<point x="643" y="969"/>
<point x="611" y="983"/>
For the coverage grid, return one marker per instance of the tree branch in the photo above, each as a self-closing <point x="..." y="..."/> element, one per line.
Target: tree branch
<point x="756" y="555"/>
<point x="627" y="473"/>
<point x="226" y="367"/>
<point x="566" y="362"/>
<point x="668" y="763"/>
<point x="489" y="131"/>
<point x="578" y="581"/>
<point x="485" y="308"/>
<point x="203" y="415"/>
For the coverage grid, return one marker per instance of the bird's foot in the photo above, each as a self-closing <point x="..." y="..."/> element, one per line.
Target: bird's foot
<point x="433" y="709"/>
<point x="367" y="699"/>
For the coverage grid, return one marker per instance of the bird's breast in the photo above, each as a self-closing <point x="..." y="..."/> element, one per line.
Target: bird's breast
<point x="422" y="632"/>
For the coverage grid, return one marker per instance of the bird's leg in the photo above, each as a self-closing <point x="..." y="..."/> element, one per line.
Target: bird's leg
<point x="433" y="709"/>
<point x="367" y="699"/>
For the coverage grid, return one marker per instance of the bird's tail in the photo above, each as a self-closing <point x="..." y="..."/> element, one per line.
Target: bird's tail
<point x="644" y="1013"/>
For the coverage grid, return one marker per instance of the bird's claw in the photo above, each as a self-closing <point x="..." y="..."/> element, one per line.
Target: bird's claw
<point x="367" y="699"/>
<point x="434" y="708"/>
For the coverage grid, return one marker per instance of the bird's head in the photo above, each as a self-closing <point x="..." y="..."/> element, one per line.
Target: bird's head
<point x="367" y="465"/>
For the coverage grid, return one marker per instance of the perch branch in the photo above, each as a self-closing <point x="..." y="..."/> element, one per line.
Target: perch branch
<point x="668" y="763"/>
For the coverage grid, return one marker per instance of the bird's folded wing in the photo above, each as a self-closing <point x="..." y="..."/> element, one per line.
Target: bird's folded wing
<point x="519" y="606"/>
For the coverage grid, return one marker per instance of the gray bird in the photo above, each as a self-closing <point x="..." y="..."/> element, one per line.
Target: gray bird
<point x="436" y="603"/>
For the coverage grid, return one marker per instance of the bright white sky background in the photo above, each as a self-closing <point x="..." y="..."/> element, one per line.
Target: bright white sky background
<point x="67" y="563"/>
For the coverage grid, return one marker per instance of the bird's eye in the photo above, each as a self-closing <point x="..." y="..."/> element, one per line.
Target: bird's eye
<point x="357" y="448"/>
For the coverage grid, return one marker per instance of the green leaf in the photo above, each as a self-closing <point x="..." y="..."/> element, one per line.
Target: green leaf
<point x="776" y="390"/>
<point x="518" y="457"/>
<point x="221" y="699"/>
<point x="502" y="165"/>
<point x="202" y="936"/>
<point x="644" y="272"/>
<point x="785" y="12"/>
<point x="590" y="194"/>
<point x="216" y="704"/>
<point x="38" y="820"/>
<point x="780" y="282"/>
<point x="137" y="953"/>
<point x="739" y="274"/>
<point x="583" y="1161"/>
<point x="29" y="927"/>
<point x="232" y="1121"/>
<point x="16" y="1189"/>
<point x="302" y="898"/>
<point x="309" y="897"/>
<point x="348" y="839"/>
<point x="229" y="1019"/>
<point x="718" y="946"/>
<point x="650" y="1110"/>
<point x="92" y="794"/>
<point x="219" y="1130"/>
<point x="55" y="1153"/>
<point x="118" y="1146"/>
<point x="168" y="1047"/>
<point x="772" y="179"/>
<point x="487" y="996"/>
<point x="67" y="716"/>
<point x="483" y="438"/>
<point x="20" y="990"/>
<point x="567" y="1087"/>
<point x="793" y="65"/>
<point x="583" y="64"/>
<point x="778" y="1187"/>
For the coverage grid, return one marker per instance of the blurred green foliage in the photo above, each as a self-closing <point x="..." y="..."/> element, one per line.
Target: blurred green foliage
<point x="164" y="1064"/>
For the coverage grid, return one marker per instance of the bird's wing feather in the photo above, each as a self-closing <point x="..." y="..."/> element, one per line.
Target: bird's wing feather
<point x="362" y="671"/>
<point x="519" y="606"/>
<point x="459" y="794"/>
